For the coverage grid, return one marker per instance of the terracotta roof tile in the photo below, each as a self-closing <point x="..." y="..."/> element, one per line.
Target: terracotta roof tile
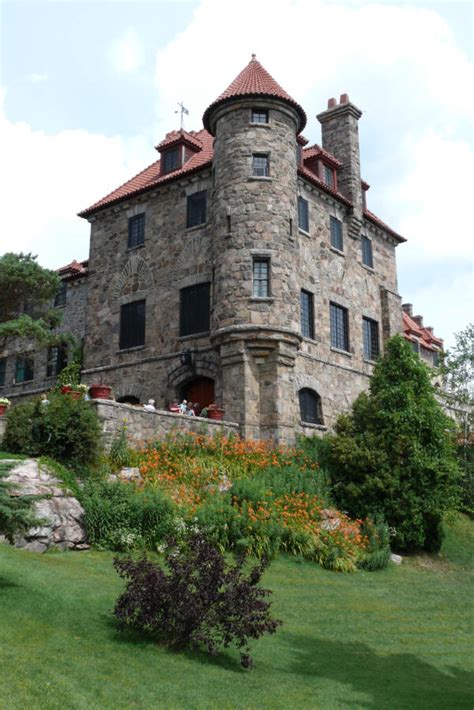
<point x="312" y="177"/>
<point x="426" y="339"/>
<point x="175" y="137"/>
<point x="315" y="151"/>
<point x="152" y="177"/>
<point x="378" y="222"/>
<point x="254" y="80"/>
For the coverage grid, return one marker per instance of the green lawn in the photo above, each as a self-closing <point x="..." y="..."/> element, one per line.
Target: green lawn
<point x="401" y="638"/>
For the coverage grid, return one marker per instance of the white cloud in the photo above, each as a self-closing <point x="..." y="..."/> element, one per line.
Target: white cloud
<point x="46" y="179"/>
<point x="126" y="54"/>
<point x="37" y="78"/>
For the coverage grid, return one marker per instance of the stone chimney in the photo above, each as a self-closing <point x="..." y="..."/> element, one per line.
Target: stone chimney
<point x="418" y="320"/>
<point x="340" y="136"/>
<point x="408" y="309"/>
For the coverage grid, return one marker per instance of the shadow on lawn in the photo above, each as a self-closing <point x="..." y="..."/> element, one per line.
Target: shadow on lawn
<point x="399" y="680"/>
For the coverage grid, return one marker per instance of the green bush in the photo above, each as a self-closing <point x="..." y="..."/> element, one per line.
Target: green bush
<point x="66" y="429"/>
<point x="119" y="516"/>
<point x="377" y="554"/>
<point x="393" y="456"/>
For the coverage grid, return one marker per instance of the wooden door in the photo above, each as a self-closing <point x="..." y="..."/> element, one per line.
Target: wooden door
<point x="201" y="391"/>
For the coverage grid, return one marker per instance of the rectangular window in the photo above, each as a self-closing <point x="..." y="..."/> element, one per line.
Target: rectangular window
<point x="261" y="278"/>
<point x="196" y="209"/>
<point x="260" y="165"/>
<point x="60" y="298"/>
<point x="171" y="160"/>
<point x="132" y="325"/>
<point x="259" y="115"/>
<point x="370" y="332"/>
<point x="57" y="360"/>
<point x="436" y="358"/>
<point x="136" y="230"/>
<point x="3" y="369"/>
<point x="194" y="309"/>
<point x="24" y="369"/>
<point x="299" y="155"/>
<point x="336" y="233"/>
<point x="415" y="346"/>
<point x="303" y="214"/>
<point x="367" y="256"/>
<point x="339" y="327"/>
<point x="328" y="176"/>
<point x="307" y="314"/>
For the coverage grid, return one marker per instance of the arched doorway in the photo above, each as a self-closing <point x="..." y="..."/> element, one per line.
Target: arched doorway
<point x="200" y="390"/>
<point x="128" y="399"/>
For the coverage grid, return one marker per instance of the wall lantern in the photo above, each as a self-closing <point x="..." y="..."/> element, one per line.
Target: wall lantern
<point x="186" y="358"/>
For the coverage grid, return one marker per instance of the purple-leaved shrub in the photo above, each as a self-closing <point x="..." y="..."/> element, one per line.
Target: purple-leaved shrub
<point x="196" y="599"/>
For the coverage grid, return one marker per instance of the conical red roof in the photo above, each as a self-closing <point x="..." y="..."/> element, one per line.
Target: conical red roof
<point x="254" y="80"/>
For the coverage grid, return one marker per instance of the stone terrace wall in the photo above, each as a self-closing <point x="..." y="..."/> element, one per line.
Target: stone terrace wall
<point x="146" y="426"/>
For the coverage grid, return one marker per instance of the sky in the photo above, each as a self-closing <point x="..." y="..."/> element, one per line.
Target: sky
<point x="87" y="89"/>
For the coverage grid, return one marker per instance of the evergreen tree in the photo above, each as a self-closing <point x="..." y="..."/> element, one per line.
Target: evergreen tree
<point x="393" y="454"/>
<point x="15" y="511"/>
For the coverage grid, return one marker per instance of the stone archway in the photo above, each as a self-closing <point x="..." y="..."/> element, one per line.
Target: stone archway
<point x="200" y="391"/>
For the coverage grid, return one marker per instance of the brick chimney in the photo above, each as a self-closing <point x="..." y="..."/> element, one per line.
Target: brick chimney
<point x="408" y="309"/>
<point x="340" y="136"/>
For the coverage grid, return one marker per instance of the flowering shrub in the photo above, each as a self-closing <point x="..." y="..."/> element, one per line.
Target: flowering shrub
<point x="219" y="604"/>
<point x="253" y="496"/>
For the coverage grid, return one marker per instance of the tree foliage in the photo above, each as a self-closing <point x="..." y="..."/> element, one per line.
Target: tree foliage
<point x="198" y="599"/>
<point x="393" y="454"/>
<point x="15" y="511"/>
<point x="27" y="289"/>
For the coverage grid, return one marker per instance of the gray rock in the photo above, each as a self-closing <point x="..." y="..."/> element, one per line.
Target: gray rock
<point x="396" y="559"/>
<point x="59" y="514"/>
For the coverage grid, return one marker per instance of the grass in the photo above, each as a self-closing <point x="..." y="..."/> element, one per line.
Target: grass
<point x="399" y="638"/>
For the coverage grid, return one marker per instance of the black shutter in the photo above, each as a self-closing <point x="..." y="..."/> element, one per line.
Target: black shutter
<point x="132" y="325"/>
<point x="194" y="309"/>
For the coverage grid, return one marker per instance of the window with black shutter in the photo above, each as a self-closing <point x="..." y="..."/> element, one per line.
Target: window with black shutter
<point x="339" y="327"/>
<point x="259" y="115"/>
<point x="136" y="230"/>
<point x="303" y="214"/>
<point x="171" y="160"/>
<point x="196" y="209"/>
<point x="57" y="360"/>
<point x="367" y="255"/>
<point x="3" y="369"/>
<point x="370" y="332"/>
<point x="132" y="325"/>
<point x="261" y="278"/>
<point x="311" y="410"/>
<point x="24" y="368"/>
<point x="194" y="309"/>
<point x="260" y="165"/>
<point x="336" y="233"/>
<point x="60" y="298"/>
<point x="307" y="314"/>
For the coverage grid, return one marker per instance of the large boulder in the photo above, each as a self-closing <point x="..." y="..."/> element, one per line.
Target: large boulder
<point x="60" y="515"/>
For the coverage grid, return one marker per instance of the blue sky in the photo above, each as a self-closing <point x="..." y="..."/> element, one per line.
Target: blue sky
<point x="88" y="88"/>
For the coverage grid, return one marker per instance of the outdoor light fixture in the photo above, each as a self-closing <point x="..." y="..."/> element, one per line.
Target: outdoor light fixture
<point x="186" y="358"/>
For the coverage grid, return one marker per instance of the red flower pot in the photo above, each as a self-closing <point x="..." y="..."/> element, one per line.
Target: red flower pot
<point x="3" y="409"/>
<point x="216" y="413"/>
<point x="65" y="389"/>
<point x="100" y="391"/>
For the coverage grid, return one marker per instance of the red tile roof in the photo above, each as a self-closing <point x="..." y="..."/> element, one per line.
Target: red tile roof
<point x="73" y="270"/>
<point x="254" y="80"/>
<point x="315" y="151"/>
<point x="308" y="174"/>
<point x="151" y="177"/>
<point x="378" y="222"/>
<point x="175" y="137"/>
<point x="426" y="339"/>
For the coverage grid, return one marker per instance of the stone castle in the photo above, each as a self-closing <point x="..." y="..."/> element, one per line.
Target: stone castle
<point x="242" y="267"/>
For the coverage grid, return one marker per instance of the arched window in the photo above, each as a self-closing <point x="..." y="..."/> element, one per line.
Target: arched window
<point x="311" y="410"/>
<point x="128" y="399"/>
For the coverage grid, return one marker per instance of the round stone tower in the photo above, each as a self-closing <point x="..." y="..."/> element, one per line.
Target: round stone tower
<point x="253" y="213"/>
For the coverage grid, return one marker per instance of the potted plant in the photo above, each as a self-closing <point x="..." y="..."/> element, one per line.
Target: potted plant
<point x="100" y="391"/>
<point x="4" y="404"/>
<point x="215" y="412"/>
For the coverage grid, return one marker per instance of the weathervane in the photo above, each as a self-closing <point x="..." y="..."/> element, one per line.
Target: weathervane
<point x="183" y="111"/>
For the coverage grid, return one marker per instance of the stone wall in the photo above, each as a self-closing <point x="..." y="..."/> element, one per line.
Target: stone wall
<point x="144" y="426"/>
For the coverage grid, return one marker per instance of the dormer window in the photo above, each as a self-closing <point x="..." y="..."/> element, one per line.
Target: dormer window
<point x="328" y="176"/>
<point x="259" y="115"/>
<point x="171" y="160"/>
